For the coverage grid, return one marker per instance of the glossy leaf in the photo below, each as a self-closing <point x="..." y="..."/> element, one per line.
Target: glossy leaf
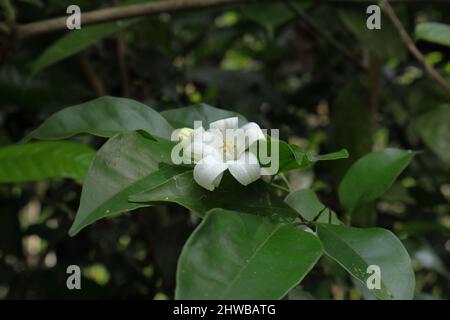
<point x="42" y="160"/>
<point x="341" y="154"/>
<point x="434" y="32"/>
<point x="255" y="198"/>
<point x="292" y="156"/>
<point x="308" y="205"/>
<point x="234" y="255"/>
<point x="356" y="249"/>
<point x="75" y="41"/>
<point x="103" y="117"/>
<point x="371" y="176"/>
<point x="126" y="164"/>
<point x="185" y="117"/>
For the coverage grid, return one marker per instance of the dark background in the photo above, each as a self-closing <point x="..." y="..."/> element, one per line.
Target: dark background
<point x="265" y="63"/>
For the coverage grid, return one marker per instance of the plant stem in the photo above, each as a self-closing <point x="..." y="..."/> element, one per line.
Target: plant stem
<point x="409" y="43"/>
<point x="124" y="12"/>
<point x="277" y="186"/>
<point x="91" y="75"/>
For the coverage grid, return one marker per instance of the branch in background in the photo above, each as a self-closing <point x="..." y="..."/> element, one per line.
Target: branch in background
<point x="368" y="2"/>
<point x="324" y="34"/>
<point x="92" y="76"/>
<point x="121" y="49"/>
<point x="409" y="43"/>
<point x="117" y="13"/>
<point x="374" y="89"/>
<point x="121" y="52"/>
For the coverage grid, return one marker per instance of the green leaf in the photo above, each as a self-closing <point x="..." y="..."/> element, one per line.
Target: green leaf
<point x="292" y="156"/>
<point x="308" y="205"/>
<point x="272" y="15"/>
<point x="434" y="32"/>
<point x="75" y="41"/>
<point x="356" y="249"/>
<point x="349" y="127"/>
<point x="255" y="198"/>
<point x="42" y="160"/>
<point x="233" y="255"/>
<point x="102" y="117"/>
<point x="127" y="163"/>
<point x="385" y="42"/>
<point x="185" y="117"/>
<point x="341" y="154"/>
<point x="434" y="129"/>
<point x="371" y="176"/>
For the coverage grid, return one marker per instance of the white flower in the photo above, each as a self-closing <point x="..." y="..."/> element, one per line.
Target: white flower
<point x="224" y="146"/>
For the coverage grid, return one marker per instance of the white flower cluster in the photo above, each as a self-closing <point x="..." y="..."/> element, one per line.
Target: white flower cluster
<point x="223" y="146"/>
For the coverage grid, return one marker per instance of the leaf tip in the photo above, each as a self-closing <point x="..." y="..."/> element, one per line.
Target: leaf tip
<point x="345" y="153"/>
<point x="73" y="231"/>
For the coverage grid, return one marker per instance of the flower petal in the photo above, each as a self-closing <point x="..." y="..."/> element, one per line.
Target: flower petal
<point x="198" y="150"/>
<point x="223" y="124"/>
<point x="209" y="137"/>
<point x="184" y="134"/>
<point x="208" y="172"/>
<point x="246" y="169"/>
<point x="234" y="143"/>
<point x="253" y="133"/>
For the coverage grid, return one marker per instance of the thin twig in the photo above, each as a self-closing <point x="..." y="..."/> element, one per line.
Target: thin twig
<point x="324" y="34"/>
<point x="393" y="1"/>
<point x="123" y="12"/>
<point x="374" y="92"/>
<point x="121" y="50"/>
<point x="92" y="76"/>
<point x="319" y="214"/>
<point x="284" y="179"/>
<point x="409" y="43"/>
<point x="277" y="186"/>
<point x="121" y="53"/>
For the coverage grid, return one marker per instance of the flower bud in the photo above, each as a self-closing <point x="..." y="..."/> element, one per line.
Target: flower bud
<point x="184" y="135"/>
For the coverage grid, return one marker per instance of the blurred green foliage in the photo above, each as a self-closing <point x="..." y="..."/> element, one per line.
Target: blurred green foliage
<point x="273" y="69"/>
